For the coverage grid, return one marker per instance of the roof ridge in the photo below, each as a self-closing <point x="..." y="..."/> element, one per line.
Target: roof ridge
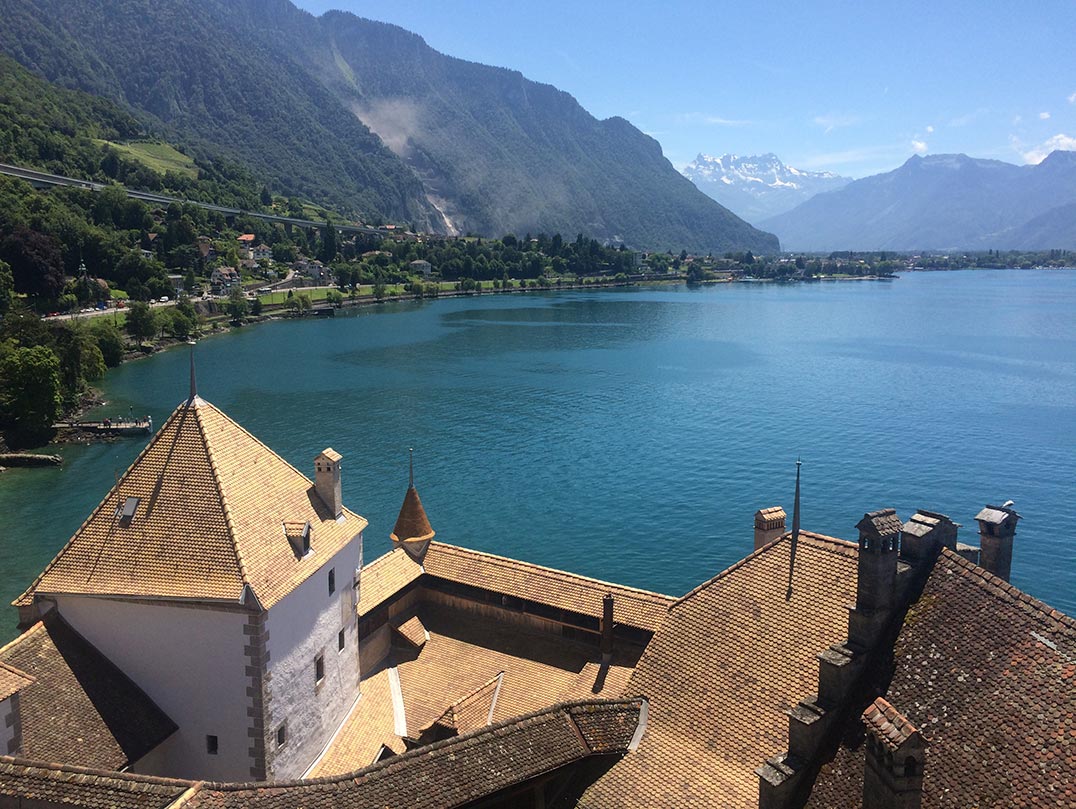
<point x="545" y="568"/>
<point x="823" y="543"/>
<point x="75" y="769"/>
<point x="36" y="627"/>
<point x="999" y="588"/>
<point x="243" y="574"/>
<point x="28" y="593"/>
<point x="549" y="712"/>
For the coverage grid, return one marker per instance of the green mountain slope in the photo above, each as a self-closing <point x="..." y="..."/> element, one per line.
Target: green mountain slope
<point x="295" y="98"/>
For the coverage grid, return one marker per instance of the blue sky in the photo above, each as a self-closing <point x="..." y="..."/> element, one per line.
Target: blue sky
<point x="855" y="88"/>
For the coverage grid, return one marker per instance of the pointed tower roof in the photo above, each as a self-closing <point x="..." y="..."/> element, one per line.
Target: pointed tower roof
<point x="199" y="515"/>
<point x="412" y="524"/>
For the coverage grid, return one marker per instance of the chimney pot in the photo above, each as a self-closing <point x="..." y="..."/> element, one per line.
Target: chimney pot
<point x="769" y="525"/>
<point x="327" y="480"/>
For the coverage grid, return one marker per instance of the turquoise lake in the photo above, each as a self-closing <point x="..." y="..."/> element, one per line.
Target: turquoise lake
<point x="631" y="434"/>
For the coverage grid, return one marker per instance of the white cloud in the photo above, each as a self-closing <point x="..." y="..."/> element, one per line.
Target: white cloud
<point x="1072" y="98"/>
<point x="919" y="147"/>
<point x="930" y="130"/>
<point x="1036" y="154"/>
<point x="1017" y="119"/>
<point x="836" y="120"/>
<point x="711" y="120"/>
<point x="969" y="118"/>
<point x="1044" y="116"/>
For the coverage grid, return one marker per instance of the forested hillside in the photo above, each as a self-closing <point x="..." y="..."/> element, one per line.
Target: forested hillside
<point x="294" y="98"/>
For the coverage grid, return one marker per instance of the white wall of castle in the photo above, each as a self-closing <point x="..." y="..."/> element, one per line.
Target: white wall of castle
<point x="302" y="626"/>
<point x="7" y="727"/>
<point x="190" y="662"/>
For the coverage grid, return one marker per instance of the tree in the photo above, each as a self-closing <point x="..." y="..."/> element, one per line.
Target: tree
<point x="237" y="306"/>
<point x="7" y="287"/>
<point x="35" y="261"/>
<point x="109" y="340"/>
<point x="30" y="393"/>
<point x="329" y="246"/>
<point x="266" y="197"/>
<point x="141" y="321"/>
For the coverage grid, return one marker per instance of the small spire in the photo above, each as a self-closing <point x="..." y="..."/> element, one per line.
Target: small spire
<point x="411" y="468"/>
<point x="194" y="381"/>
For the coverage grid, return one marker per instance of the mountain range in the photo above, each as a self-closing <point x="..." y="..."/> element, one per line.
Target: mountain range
<point x="941" y="202"/>
<point x="366" y="117"/>
<point x="759" y="186"/>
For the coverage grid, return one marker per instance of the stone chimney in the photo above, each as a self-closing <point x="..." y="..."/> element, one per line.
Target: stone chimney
<point x="607" y="628"/>
<point x="895" y="756"/>
<point x="925" y="534"/>
<point x="876" y="585"/>
<point x="997" y="529"/>
<point x="769" y="525"/>
<point x="327" y="480"/>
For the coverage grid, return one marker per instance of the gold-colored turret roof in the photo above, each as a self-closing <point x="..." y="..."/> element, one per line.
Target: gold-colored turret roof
<point x="412" y="525"/>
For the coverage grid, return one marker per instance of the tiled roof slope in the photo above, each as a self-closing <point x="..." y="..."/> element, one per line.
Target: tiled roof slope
<point x="457" y="771"/>
<point x="731" y="657"/>
<point x="888" y="724"/>
<point x="213" y="500"/>
<point x="12" y="681"/>
<point x="81" y="709"/>
<point x="557" y="588"/>
<point x="412" y="523"/>
<point x="988" y="674"/>
<point x="31" y="783"/>
<point x="388" y="574"/>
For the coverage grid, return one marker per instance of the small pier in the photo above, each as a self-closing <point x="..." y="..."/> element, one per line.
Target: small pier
<point x="116" y="427"/>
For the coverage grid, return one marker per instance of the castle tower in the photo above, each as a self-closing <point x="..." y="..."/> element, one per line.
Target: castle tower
<point x="769" y="525"/>
<point x="997" y="529"/>
<point x="327" y="480"/>
<point x="413" y="531"/>
<point x="895" y="755"/>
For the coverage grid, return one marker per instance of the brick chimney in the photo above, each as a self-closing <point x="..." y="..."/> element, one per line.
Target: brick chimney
<point x="327" y="480"/>
<point x="925" y="534"/>
<point x="895" y="756"/>
<point x="997" y="529"/>
<point x="769" y="525"/>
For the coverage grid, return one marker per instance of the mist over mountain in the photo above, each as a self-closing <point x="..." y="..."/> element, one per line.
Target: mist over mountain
<point x="759" y="186"/>
<point x="366" y="117"/>
<point x="942" y="202"/>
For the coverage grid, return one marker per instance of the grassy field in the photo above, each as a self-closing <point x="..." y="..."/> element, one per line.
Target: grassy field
<point x="158" y="156"/>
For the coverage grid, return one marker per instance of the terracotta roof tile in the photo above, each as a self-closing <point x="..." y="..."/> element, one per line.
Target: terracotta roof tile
<point x="989" y="675"/>
<point x="557" y="588"/>
<point x="80" y="709"/>
<point x="413" y="631"/>
<point x="12" y="681"/>
<point x="39" y="784"/>
<point x="384" y="577"/>
<point x="730" y="658"/>
<point x="412" y="524"/>
<point x="367" y="728"/>
<point x="212" y="501"/>
<point x="888" y="725"/>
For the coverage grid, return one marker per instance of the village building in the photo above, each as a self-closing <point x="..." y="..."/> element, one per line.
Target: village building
<point x="262" y="252"/>
<point x="213" y="638"/>
<point x="223" y="279"/>
<point x="421" y="267"/>
<point x="245" y="245"/>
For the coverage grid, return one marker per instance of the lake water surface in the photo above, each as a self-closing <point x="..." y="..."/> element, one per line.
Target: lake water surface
<point x="630" y="434"/>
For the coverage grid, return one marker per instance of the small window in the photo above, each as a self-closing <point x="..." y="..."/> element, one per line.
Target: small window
<point x="211" y="745"/>
<point x="319" y="669"/>
<point x="281" y="735"/>
<point x="341" y="639"/>
<point x="332" y="580"/>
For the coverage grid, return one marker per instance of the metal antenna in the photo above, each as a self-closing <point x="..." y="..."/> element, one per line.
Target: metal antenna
<point x="795" y="532"/>
<point x="194" y="381"/>
<point x="411" y="468"/>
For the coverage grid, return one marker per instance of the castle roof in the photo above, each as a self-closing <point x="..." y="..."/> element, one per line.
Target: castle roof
<point x="989" y="674"/>
<point x="730" y="658"/>
<point x="880" y="523"/>
<point x="412" y="524"/>
<point x="71" y="785"/>
<point x="199" y="515"/>
<point x="389" y="574"/>
<point x="79" y="708"/>
<point x="12" y="681"/>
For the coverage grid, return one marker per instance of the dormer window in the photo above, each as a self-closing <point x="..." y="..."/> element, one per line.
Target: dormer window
<point x="298" y="535"/>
